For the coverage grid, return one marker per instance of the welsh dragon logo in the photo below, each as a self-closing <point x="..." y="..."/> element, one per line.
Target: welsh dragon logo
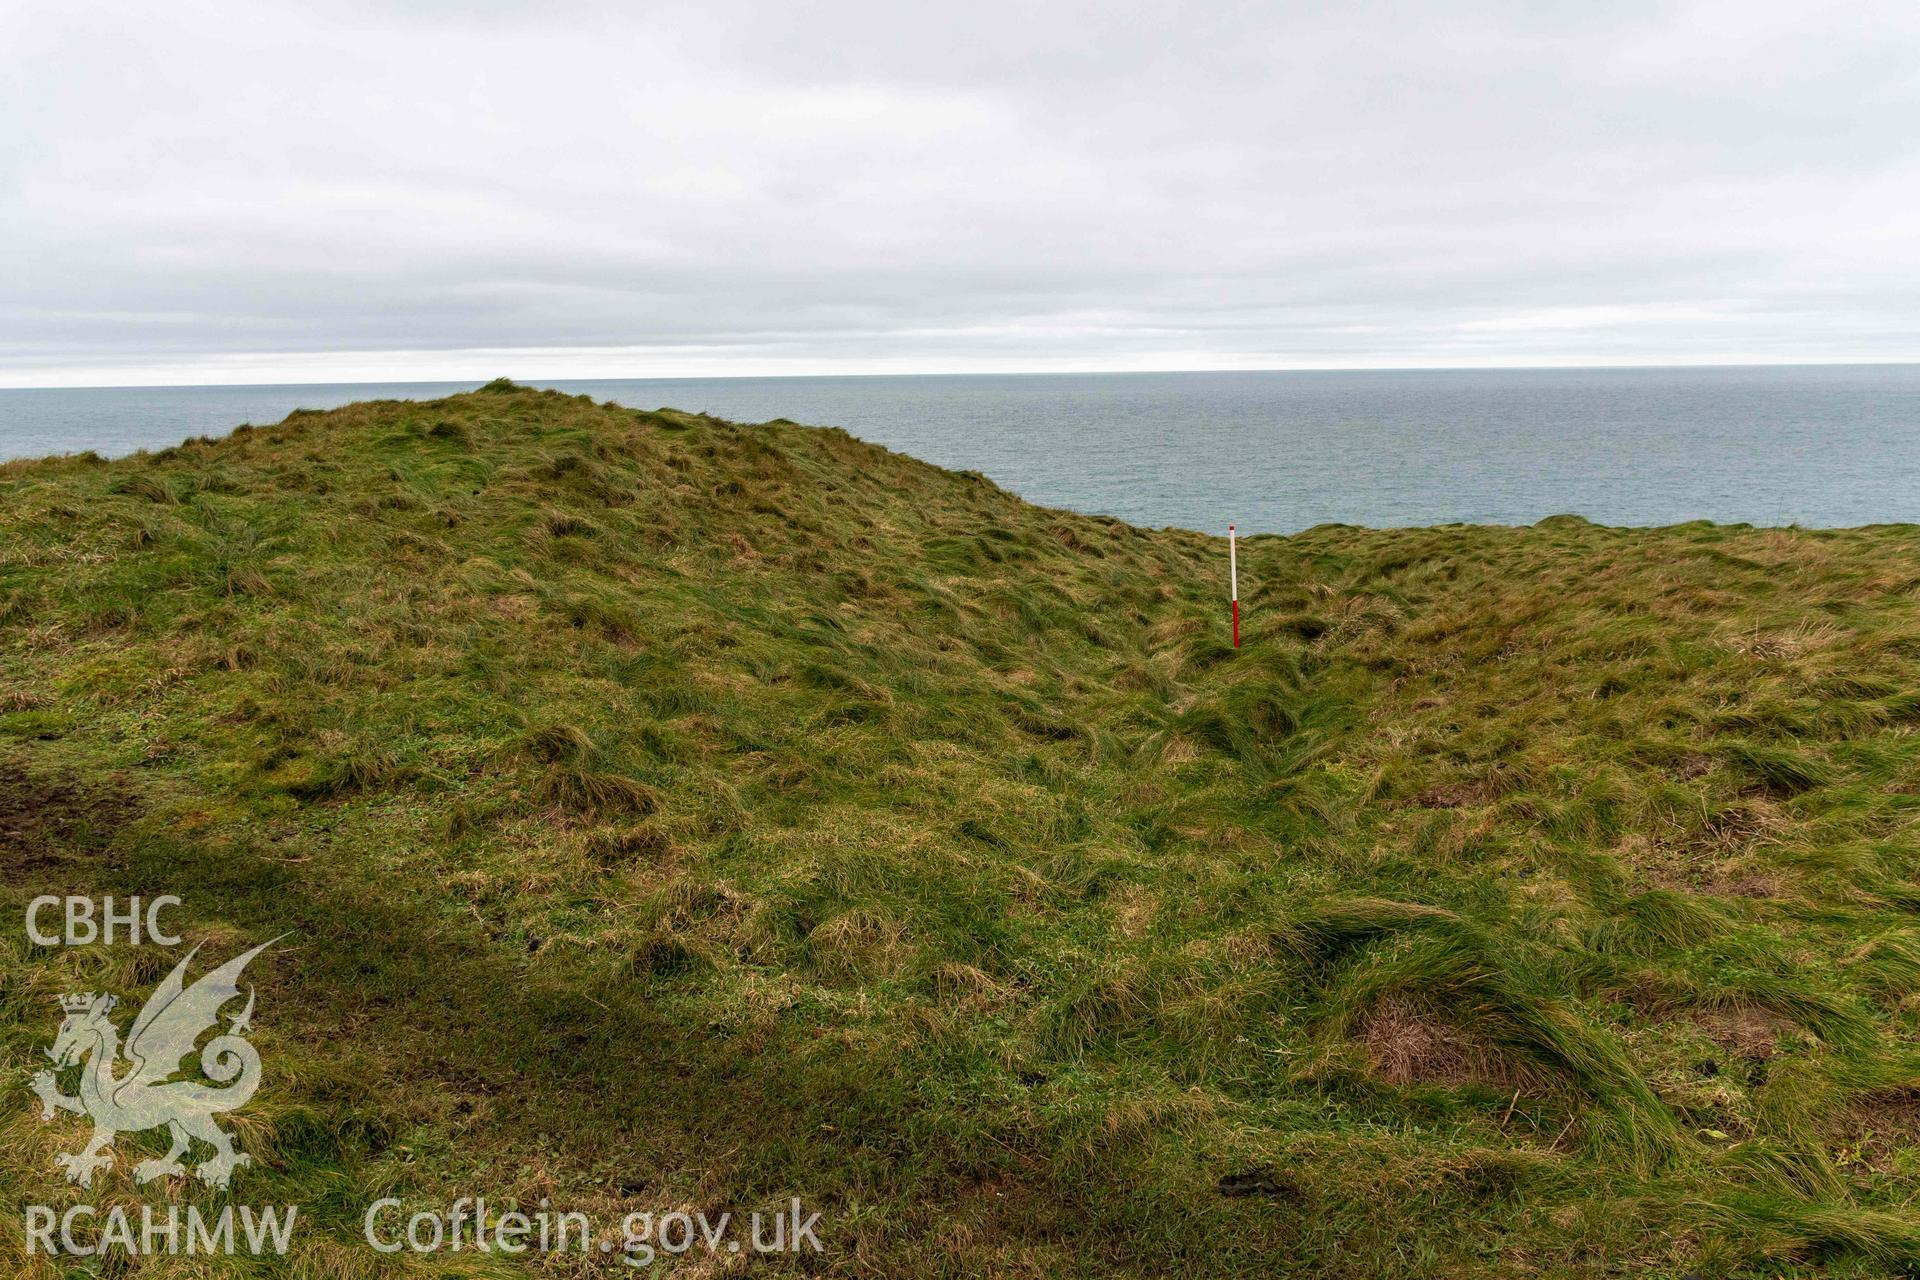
<point x="147" y="1095"/>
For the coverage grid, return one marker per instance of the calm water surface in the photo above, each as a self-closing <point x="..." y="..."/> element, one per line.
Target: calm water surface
<point x="1809" y="445"/>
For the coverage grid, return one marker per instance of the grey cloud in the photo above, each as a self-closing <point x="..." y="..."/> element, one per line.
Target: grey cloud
<point x="271" y="188"/>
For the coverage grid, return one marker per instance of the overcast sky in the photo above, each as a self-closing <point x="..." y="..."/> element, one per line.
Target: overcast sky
<point x="258" y="191"/>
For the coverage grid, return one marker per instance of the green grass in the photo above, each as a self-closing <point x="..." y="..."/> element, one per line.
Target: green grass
<point x="668" y="813"/>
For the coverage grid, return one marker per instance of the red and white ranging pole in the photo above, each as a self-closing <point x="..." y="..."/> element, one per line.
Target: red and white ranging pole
<point x="1233" y="577"/>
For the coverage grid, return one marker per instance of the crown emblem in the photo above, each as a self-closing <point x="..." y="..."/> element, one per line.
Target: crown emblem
<point x="84" y="1001"/>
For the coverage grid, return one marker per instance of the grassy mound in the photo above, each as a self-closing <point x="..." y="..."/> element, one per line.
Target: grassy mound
<point x="667" y="813"/>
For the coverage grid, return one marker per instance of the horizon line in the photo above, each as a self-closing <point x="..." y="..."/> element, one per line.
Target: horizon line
<point x="535" y="380"/>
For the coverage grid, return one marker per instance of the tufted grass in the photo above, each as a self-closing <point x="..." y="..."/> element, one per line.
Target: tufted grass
<point x="673" y="813"/>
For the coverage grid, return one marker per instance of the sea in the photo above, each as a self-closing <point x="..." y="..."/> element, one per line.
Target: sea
<point x="1818" y="446"/>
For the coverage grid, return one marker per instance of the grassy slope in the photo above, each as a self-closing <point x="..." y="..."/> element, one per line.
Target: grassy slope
<point x="675" y="814"/>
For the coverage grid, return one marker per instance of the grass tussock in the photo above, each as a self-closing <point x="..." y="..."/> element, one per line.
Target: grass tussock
<point x="665" y="811"/>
